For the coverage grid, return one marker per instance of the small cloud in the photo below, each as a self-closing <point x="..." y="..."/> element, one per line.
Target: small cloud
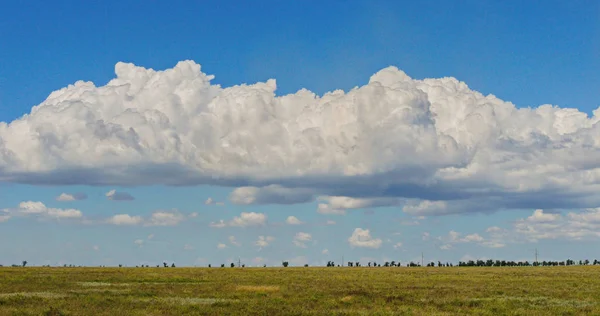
<point x="244" y="220"/>
<point x="188" y="247"/>
<point x="234" y="242"/>
<point x="65" y="197"/>
<point x="165" y="218"/>
<point x="362" y="238"/>
<point x="327" y="209"/>
<point x="325" y="251"/>
<point x="113" y="195"/>
<point x="208" y="201"/>
<point x="398" y="245"/>
<point x="221" y="246"/>
<point x="264" y="241"/>
<point x="301" y="239"/>
<point x="219" y="224"/>
<point x="446" y="247"/>
<point x="125" y="219"/>
<point x="96" y="248"/>
<point x="39" y="209"/>
<point x="293" y="220"/>
<point x="330" y="222"/>
<point x="193" y="215"/>
<point x="150" y="236"/>
<point x="138" y="242"/>
<point x="425" y="236"/>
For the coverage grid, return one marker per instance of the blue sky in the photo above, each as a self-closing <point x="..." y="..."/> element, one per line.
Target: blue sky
<point x="529" y="54"/>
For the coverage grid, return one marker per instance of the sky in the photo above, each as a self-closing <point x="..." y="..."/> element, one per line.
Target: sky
<point x="306" y="131"/>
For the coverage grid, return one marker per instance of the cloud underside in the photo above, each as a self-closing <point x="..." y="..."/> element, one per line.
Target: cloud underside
<point x="429" y="146"/>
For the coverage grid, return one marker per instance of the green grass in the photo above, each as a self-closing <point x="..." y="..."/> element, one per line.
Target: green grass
<point x="295" y="291"/>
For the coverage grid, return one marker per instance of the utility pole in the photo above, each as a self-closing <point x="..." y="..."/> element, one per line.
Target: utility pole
<point x="536" y="257"/>
<point x="342" y="261"/>
<point x="239" y="262"/>
<point x="422" y="262"/>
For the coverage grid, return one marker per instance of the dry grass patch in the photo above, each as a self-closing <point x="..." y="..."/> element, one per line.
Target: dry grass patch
<point x="347" y="299"/>
<point x="258" y="288"/>
<point x="101" y="284"/>
<point x="33" y="294"/>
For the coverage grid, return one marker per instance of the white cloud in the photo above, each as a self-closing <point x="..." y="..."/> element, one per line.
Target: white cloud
<point x="301" y="239"/>
<point x="193" y="215"/>
<point x="425" y="207"/>
<point x="96" y="248"/>
<point x="139" y="242"/>
<point x="221" y="246"/>
<point x="233" y="241"/>
<point x="39" y="209"/>
<point x="425" y="236"/>
<point x="338" y="205"/>
<point x="125" y="219"/>
<point x="362" y="238"/>
<point x="325" y="251"/>
<point x="264" y="241"/>
<point x="293" y="220"/>
<point x="244" y="220"/>
<point x="398" y="245"/>
<point x="394" y="138"/>
<point x="210" y="201"/>
<point x="456" y="237"/>
<point x="219" y="224"/>
<point x="4" y="218"/>
<point x="66" y="197"/>
<point x="113" y="195"/>
<point x="165" y="218"/>
<point x="150" y="236"/>
<point x="576" y="225"/>
<point x="326" y="209"/>
<point x="330" y="222"/>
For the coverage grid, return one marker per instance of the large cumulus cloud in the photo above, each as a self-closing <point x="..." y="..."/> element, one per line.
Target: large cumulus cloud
<point x="395" y="138"/>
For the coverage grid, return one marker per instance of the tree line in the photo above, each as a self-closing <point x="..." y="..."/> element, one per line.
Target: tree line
<point x="469" y="263"/>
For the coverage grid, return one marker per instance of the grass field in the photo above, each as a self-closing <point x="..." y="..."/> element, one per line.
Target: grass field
<point x="294" y="291"/>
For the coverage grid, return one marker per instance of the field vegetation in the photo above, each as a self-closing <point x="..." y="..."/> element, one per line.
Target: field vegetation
<point x="568" y="290"/>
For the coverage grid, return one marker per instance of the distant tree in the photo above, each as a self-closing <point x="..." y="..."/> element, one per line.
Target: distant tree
<point x="24" y="263"/>
<point x="285" y="264"/>
<point x="173" y="265"/>
<point x="222" y="265"/>
<point x="165" y="265"/>
<point x="586" y="262"/>
<point x="306" y="265"/>
<point x="386" y="264"/>
<point x="120" y="265"/>
<point x="264" y="266"/>
<point x="243" y="265"/>
<point x="209" y="265"/>
<point x="349" y="263"/>
<point x="233" y="265"/>
<point x="369" y="264"/>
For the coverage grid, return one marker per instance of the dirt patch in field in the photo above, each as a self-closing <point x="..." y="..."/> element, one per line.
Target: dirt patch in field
<point x="347" y="299"/>
<point x="258" y="288"/>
